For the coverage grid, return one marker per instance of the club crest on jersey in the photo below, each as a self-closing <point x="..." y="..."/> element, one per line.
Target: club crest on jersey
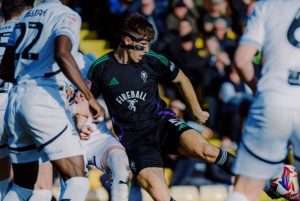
<point x="144" y="76"/>
<point x="172" y="66"/>
<point x="132" y="166"/>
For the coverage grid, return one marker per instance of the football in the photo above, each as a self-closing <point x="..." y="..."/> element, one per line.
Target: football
<point x="285" y="184"/>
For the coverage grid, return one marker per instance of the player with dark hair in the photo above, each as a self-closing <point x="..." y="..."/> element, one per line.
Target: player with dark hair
<point x="127" y="78"/>
<point x="38" y="58"/>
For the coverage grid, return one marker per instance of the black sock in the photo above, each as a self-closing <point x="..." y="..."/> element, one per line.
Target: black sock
<point x="172" y="199"/>
<point x="225" y="161"/>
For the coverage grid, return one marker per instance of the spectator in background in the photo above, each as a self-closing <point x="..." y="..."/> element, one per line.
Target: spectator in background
<point x="179" y="12"/>
<point x="188" y="59"/>
<point x="236" y="98"/>
<point x="241" y="9"/>
<point x="216" y="9"/>
<point x="2" y="20"/>
<point x="192" y="5"/>
<point x="221" y="30"/>
<point x="171" y="42"/>
<point x="116" y="11"/>
<point x="214" y="75"/>
<point x="171" y="45"/>
<point x="155" y="17"/>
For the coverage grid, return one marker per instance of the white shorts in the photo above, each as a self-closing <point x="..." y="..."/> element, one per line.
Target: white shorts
<point x="39" y="125"/>
<point x="3" y="134"/>
<point x="264" y="143"/>
<point x="98" y="147"/>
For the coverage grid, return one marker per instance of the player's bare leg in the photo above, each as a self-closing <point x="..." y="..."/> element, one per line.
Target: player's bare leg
<point x="246" y="189"/>
<point x="72" y="172"/>
<point x="43" y="185"/>
<point x="153" y="181"/>
<point x="193" y="144"/>
<point x="4" y="175"/>
<point x="23" y="183"/>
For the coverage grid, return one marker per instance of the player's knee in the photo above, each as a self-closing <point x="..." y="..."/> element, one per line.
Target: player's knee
<point x="42" y="185"/>
<point x="75" y="170"/>
<point x="5" y="168"/>
<point x="70" y="167"/>
<point x="149" y="179"/>
<point x="154" y="185"/>
<point x="143" y="180"/>
<point x="119" y="165"/>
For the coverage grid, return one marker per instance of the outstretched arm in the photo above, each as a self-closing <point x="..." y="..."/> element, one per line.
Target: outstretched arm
<point x="67" y="64"/>
<point x="189" y="94"/>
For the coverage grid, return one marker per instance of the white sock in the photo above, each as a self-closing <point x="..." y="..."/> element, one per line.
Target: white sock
<point x="17" y="193"/>
<point x="3" y="187"/>
<point x="236" y="196"/>
<point x="41" y="195"/>
<point x="119" y="166"/>
<point x="76" y="189"/>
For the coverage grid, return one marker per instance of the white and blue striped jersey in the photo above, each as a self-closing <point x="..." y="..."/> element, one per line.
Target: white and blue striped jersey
<point x="34" y="38"/>
<point x="5" y="31"/>
<point x="274" y="28"/>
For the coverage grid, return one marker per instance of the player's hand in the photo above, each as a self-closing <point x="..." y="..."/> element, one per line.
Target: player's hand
<point x="201" y="116"/>
<point x="96" y="110"/>
<point x="79" y="98"/>
<point x="82" y="106"/>
<point x="85" y="132"/>
<point x="70" y="93"/>
<point x="295" y="197"/>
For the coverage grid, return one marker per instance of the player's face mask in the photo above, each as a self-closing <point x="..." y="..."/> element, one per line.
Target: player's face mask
<point x="135" y="39"/>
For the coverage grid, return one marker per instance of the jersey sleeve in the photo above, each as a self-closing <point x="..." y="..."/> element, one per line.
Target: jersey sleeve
<point x="69" y="24"/>
<point x="94" y="80"/>
<point x="254" y="34"/>
<point x="162" y="66"/>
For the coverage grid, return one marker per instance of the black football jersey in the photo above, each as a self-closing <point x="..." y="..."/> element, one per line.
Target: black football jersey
<point x="131" y="90"/>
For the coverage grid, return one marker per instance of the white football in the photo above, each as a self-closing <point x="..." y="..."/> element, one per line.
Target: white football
<point x="285" y="184"/>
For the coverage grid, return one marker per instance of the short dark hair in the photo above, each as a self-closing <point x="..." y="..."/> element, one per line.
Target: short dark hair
<point x="15" y="7"/>
<point x="138" y="24"/>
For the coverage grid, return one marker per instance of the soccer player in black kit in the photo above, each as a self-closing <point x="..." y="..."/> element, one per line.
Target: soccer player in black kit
<point x="128" y="79"/>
